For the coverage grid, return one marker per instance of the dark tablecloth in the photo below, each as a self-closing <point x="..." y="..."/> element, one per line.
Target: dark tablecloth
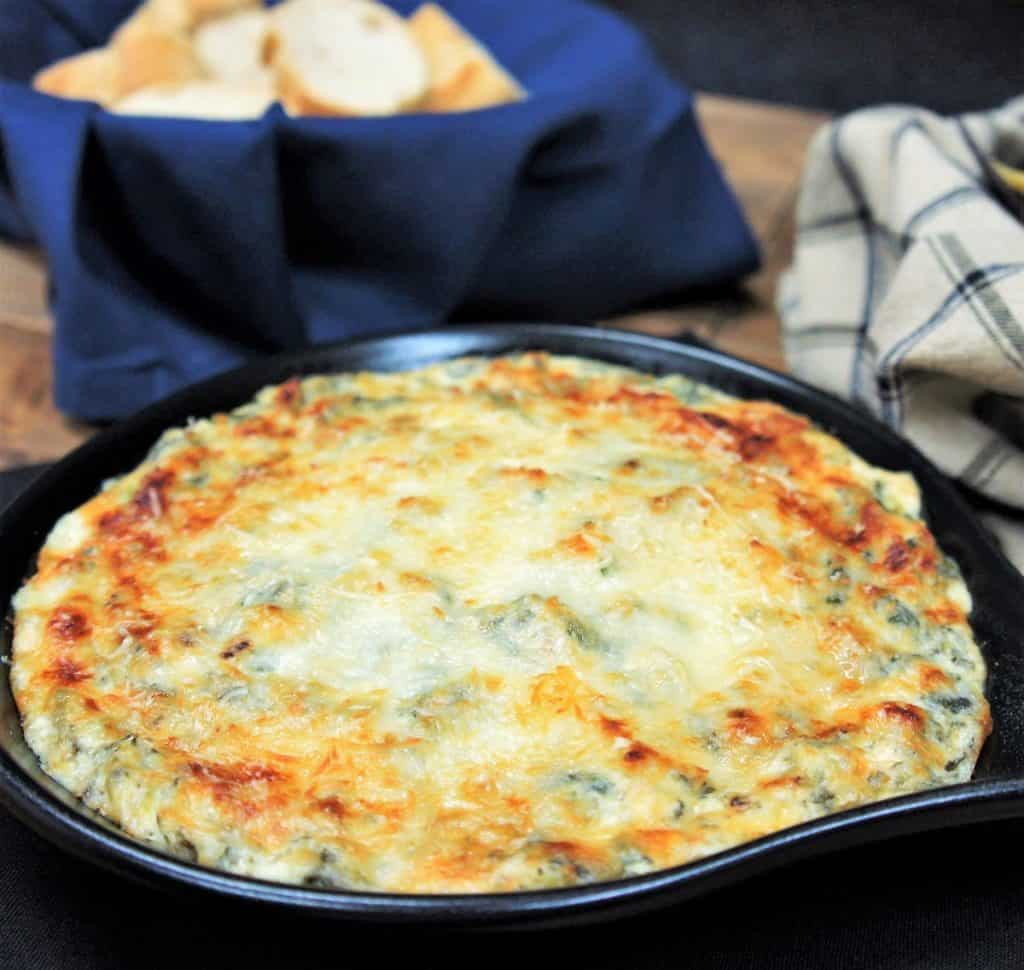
<point x="952" y="899"/>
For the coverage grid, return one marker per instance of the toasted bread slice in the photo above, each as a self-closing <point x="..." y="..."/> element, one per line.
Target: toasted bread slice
<point x="210" y="100"/>
<point x="152" y="52"/>
<point x="152" y="47"/>
<point x="166" y="15"/>
<point x="200" y="11"/>
<point x="463" y="74"/>
<point x="231" y="48"/>
<point x="344" y="57"/>
<point x="139" y="55"/>
<point x="108" y="74"/>
<point x="93" y="75"/>
<point x="187" y="15"/>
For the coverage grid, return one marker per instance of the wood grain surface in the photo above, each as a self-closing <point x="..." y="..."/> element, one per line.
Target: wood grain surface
<point x="760" y="146"/>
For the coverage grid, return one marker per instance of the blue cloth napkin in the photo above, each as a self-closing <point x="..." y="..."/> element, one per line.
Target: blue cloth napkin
<point x="179" y="248"/>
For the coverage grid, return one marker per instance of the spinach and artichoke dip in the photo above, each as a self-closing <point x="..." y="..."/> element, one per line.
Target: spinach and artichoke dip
<point x="493" y="625"/>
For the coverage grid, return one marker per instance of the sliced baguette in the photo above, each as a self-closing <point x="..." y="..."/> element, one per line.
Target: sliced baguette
<point x="231" y="48"/>
<point x="152" y="47"/>
<point x="140" y="54"/>
<point x="187" y="15"/>
<point x="200" y="11"/>
<point x="463" y="74"/>
<point x="93" y="75"/>
<point x="209" y="100"/>
<point x="150" y="53"/>
<point x="344" y="57"/>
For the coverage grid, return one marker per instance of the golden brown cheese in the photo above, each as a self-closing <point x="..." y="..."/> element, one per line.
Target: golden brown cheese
<point x="493" y="625"/>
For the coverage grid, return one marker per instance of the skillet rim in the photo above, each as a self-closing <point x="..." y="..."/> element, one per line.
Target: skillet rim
<point x="976" y="800"/>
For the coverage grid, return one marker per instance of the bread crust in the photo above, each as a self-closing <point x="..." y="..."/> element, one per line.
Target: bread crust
<point x="463" y="74"/>
<point x="297" y="99"/>
<point x="150" y="54"/>
<point x="187" y="15"/>
<point x="147" y="49"/>
<point x="93" y="75"/>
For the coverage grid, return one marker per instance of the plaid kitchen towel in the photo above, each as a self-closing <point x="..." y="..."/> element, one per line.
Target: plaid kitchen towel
<point x="906" y="294"/>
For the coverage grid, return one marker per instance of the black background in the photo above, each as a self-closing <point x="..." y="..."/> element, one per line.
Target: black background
<point x="952" y="899"/>
<point x="947" y="55"/>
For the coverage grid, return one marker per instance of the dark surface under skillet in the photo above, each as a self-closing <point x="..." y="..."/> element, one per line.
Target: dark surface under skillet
<point x="996" y="791"/>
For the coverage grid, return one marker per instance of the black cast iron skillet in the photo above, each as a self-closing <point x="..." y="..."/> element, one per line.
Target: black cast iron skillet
<point x="996" y="791"/>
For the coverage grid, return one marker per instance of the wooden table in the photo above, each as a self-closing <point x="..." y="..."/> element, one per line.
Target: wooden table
<point x="761" y="147"/>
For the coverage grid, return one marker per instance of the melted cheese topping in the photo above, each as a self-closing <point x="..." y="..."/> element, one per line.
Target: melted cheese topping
<point x="493" y="625"/>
